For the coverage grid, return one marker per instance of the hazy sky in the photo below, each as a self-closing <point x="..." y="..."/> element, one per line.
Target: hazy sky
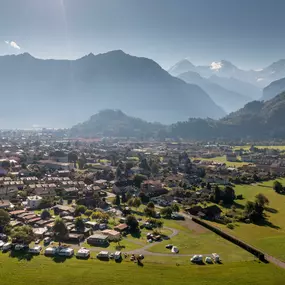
<point x="250" y="33"/>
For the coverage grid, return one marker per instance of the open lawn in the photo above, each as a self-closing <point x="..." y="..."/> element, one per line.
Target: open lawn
<point x="247" y="147"/>
<point x="201" y="241"/>
<point x="269" y="236"/>
<point x="222" y="159"/>
<point x="43" y="270"/>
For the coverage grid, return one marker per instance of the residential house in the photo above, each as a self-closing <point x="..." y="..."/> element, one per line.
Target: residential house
<point x="98" y="240"/>
<point x="34" y="202"/>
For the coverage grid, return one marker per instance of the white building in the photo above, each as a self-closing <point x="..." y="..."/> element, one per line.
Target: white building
<point x="34" y="202"/>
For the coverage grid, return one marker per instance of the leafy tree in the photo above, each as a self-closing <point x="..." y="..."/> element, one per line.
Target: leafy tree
<point x="144" y="198"/>
<point x="46" y="202"/>
<point x="229" y="195"/>
<point x="88" y="213"/>
<point x="45" y="215"/>
<point x="81" y="162"/>
<point x="124" y="198"/>
<point x="4" y="219"/>
<point x="150" y="205"/>
<point x="261" y="200"/>
<point x="72" y="157"/>
<point x="117" y="200"/>
<point x="132" y="222"/>
<point x="79" y="224"/>
<point x="60" y="228"/>
<point x="159" y="224"/>
<point x="150" y="212"/>
<point x="129" y="195"/>
<point x="135" y="202"/>
<point x="217" y="194"/>
<point x="175" y="207"/>
<point x="166" y="212"/>
<point x="23" y="234"/>
<point x="277" y="186"/>
<point x="138" y="179"/>
<point x="80" y="209"/>
<point x="144" y="165"/>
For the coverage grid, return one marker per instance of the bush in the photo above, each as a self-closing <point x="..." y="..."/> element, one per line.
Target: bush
<point x="88" y="213"/>
<point x="230" y="226"/>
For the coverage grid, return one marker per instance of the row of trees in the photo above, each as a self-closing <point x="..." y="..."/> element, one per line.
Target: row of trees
<point x="227" y="196"/>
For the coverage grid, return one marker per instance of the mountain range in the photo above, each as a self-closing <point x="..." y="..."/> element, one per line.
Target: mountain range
<point x="229" y="100"/>
<point x="60" y="93"/>
<point x="259" y="78"/>
<point x="256" y="120"/>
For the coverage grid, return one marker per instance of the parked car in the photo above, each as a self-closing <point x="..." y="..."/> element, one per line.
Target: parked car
<point x="19" y="247"/>
<point x="103" y="254"/>
<point x="208" y="259"/>
<point x="37" y="241"/>
<point x="197" y="258"/>
<point x="83" y="253"/>
<point x="117" y="255"/>
<point x="47" y="240"/>
<point x="7" y="246"/>
<point x="216" y="257"/>
<point x="169" y="246"/>
<point x="3" y="237"/>
<point x="35" y="250"/>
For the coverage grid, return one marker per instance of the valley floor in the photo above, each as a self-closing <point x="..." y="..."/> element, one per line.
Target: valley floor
<point x="43" y="270"/>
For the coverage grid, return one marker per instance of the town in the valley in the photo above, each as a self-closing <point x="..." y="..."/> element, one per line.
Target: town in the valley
<point x="133" y="200"/>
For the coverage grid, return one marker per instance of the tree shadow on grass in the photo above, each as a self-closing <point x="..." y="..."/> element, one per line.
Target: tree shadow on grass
<point x="21" y="255"/>
<point x="266" y="223"/>
<point x="59" y="259"/>
<point x="237" y="205"/>
<point x="271" y="210"/>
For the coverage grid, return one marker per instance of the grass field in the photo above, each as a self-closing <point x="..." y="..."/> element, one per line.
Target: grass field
<point x="222" y="159"/>
<point x="247" y="147"/>
<point x="43" y="270"/>
<point x="191" y="242"/>
<point x="269" y="236"/>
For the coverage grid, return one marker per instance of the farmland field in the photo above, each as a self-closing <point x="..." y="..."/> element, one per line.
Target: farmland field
<point x="222" y="159"/>
<point x="43" y="270"/>
<point x="269" y="236"/>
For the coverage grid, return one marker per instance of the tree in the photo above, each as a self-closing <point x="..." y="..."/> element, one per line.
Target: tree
<point x="80" y="209"/>
<point x="72" y="157"/>
<point x="150" y="205"/>
<point x="175" y="207"/>
<point x="79" y="224"/>
<point x="88" y="213"/>
<point x="23" y="234"/>
<point x="117" y="200"/>
<point x="124" y="198"/>
<point x="229" y="195"/>
<point x="144" y="165"/>
<point x="4" y="219"/>
<point x="132" y="222"/>
<point x="150" y="212"/>
<point x="138" y="179"/>
<point x="60" y="228"/>
<point x="261" y="200"/>
<point x="217" y="194"/>
<point x="144" y="198"/>
<point x="45" y="215"/>
<point x="277" y="186"/>
<point x="135" y="202"/>
<point x="159" y="224"/>
<point x="166" y="212"/>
